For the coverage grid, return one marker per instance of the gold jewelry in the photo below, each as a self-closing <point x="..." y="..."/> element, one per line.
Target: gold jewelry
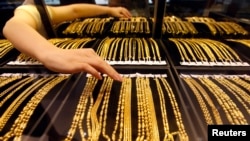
<point x="6" y="79"/>
<point x="17" y="86"/>
<point x="183" y="54"/>
<point x="156" y="48"/>
<point x="20" y="123"/>
<point x="233" y="114"/>
<point x="19" y="99"/>
<point x="238" y="93"/>
<point x="182" y="132"/>
<point x="167" y="136"/>
<point x="116" y="48"/>
<point x="202" y="96"/>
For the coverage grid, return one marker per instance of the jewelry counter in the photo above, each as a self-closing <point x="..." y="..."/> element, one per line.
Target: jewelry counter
<point x="168" y="85"/>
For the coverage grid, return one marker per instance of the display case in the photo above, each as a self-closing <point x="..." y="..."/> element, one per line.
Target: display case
<point x="181" y="72"/>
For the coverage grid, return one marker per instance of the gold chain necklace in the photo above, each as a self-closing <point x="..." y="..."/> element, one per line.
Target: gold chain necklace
<point x="176" y="110"/>
<point x="202" y="95"/>
<point x="23" y="118"/>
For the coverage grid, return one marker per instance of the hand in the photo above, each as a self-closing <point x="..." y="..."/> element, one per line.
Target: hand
<point x="119" y="12"/>
<point x="78" y="60"/>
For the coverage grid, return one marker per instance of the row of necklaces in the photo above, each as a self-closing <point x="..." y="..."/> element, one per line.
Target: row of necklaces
<point x="63" y="43"/>
<point x="223" y="99"/>
<point x="206" y="52"/>
<point x="113" y="50"/>
<point x="20" y="95"/>
<point x="130" y="51"/>
<point x="88" y="26"/>
<point x="131" y="25"/>
<point x="135" y="110"/>
<point x="174" y="25"/>
<point x="105" y="110"/>
<point x="92" y="26"/>
<point x="219" y="27"/>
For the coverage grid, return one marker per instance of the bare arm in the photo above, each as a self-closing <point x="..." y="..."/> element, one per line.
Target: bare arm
<point x="73" y="11"/>
<point x="20" y="30"/>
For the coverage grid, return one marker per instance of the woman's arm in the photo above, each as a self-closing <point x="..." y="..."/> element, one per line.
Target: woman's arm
<point x="73" y="11"/>
<point x="20" y="30"/>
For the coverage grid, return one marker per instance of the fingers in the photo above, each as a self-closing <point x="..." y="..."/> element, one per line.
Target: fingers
<point x="94" y="64"/>
<point x="104" y="67"/>
<point x="121" y="12"/>
<point x="126" y="13"/>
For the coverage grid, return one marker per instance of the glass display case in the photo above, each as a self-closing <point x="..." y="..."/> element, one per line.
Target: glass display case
<point x="185" y="66"/>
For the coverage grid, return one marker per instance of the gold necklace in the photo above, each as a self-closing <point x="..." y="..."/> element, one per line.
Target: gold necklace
<point x="167" y="136"/>
<point x="154" y="129"/>
<point x="176" y="110"/>
<point x="80" y="111"/>
<point x="19" y="100"/>
<point x="5" y="79"/>
<point x="111" y="50"/>
<point x="184" y="56"/>
<point x="156" y="48"/>
<point x="242" y="81"/>
<point x="96" y="125"/>
<point x="121" y="49"/>
<point x="239" y="94"/>
<point x="20" y="123"/>
<point x="147" y="52"/>
<point x="202" y="95"/>
<point x="104" y="108"/>
<point x="232" y="112"/>
<point x="17" y="86"/>
<point x="116" y="48"/>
